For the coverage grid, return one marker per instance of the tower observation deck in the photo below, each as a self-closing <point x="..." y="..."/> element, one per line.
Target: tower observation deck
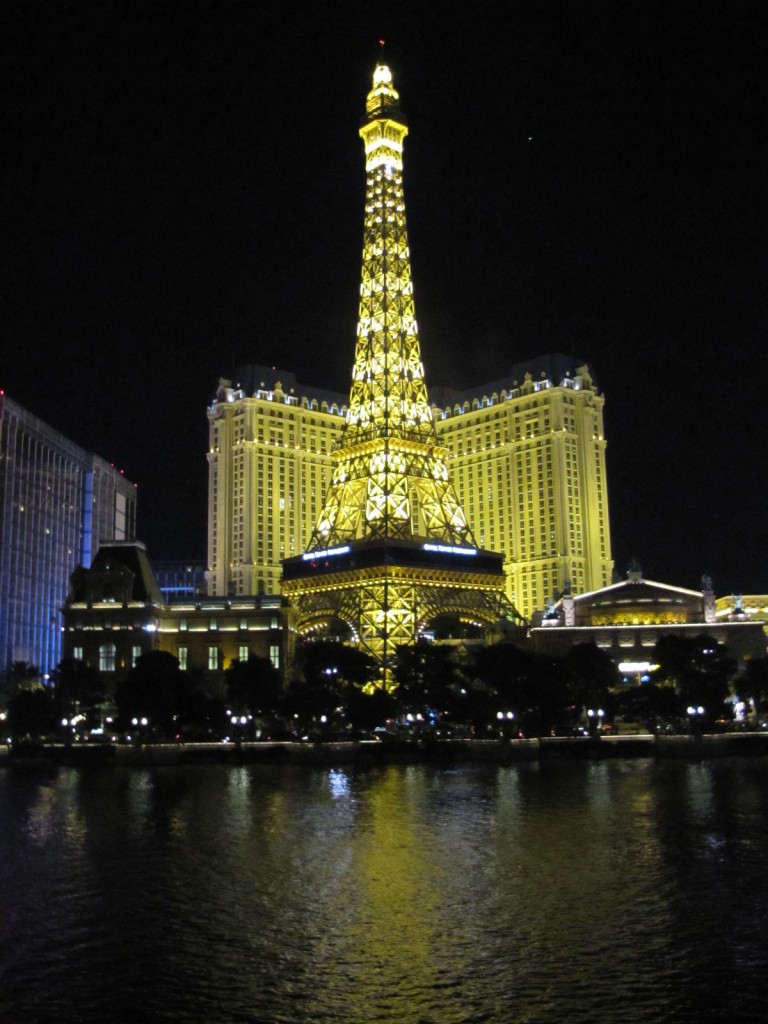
<point x="391" y="548"/>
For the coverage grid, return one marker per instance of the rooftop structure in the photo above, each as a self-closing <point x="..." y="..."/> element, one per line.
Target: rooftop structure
<point x="116" y="612"/>
<point x="628" y="618"/>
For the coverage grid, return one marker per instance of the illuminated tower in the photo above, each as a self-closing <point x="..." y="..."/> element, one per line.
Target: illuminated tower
<point x="391" y="548"/>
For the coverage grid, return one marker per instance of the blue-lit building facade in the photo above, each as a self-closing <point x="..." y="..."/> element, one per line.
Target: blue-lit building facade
<point x="57" y="503"/>
<point x="181" y="581"/>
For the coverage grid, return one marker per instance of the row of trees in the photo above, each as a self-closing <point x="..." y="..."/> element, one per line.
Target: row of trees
<point x="37" y="709"/>
<point x="336" y="692"/>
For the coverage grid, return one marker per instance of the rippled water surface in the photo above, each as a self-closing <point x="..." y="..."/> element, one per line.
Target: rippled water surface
<point x="623" y="891"/>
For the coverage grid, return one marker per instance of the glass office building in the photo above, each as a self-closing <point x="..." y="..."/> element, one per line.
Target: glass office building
<point x="57" y="503"/>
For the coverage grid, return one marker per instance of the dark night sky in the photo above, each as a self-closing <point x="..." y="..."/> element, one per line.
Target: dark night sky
<point x="183" y="191"/>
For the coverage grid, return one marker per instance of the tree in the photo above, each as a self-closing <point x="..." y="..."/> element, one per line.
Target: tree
<point x="530" y="686"/>
<point x="254" y="687"/>
<point x="430" y="685"/>
<point x="172" y="702"/>
<point x="254" y="692"/>
<point x="78" y="686"/>
<point x="32" y="713"/>
<point x="699" y="668"/>
<point x="332" y="681"/>
<point x="653" y="705"/>
<point x="370" y="710"/>
<point x="24" y="676"/>
<point x="592" y="678"/>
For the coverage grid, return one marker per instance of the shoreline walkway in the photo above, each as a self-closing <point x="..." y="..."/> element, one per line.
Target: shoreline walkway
<point x="389" y="751"/>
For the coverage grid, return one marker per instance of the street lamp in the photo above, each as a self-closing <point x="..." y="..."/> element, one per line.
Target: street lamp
<point x="504" y="717"/>
<point x="138" y="723"/>
<point x="596" y="720"/>
<point x="694" y="713"/>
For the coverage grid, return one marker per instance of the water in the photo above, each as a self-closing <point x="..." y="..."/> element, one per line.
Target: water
<point x="630" y="891"/>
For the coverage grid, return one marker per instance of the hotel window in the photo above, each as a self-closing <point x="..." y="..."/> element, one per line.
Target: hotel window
<point x="183" y="658"/>
<point x="77" y="653"/>
<point x="274" y="655"/>
<point x="213" y="659"/>
<point x="243" y="652"/>
<point x="107" y="657"/>
<point x="135" y="654"/>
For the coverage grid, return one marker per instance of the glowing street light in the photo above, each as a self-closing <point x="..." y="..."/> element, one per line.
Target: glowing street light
<point x="503" y="718"/>
<point x="695" y="711"/>
<point x="139" y="724"/>
<point x="596" y="720"/>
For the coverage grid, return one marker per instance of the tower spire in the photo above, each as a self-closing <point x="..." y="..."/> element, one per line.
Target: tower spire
<point x="391" y="478"/>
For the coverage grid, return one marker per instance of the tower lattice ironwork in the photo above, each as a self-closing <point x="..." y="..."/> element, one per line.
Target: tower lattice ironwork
<point x="391" y="548"/>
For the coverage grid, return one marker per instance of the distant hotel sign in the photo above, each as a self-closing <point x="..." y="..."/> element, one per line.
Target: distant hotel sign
<point x="311" y="556"/>
<point x="449" y="549"/>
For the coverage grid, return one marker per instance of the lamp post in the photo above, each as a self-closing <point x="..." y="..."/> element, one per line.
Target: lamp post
<point x="139" y="724"/>
<point x="505" y="718"/>
<point x="237" y="724"/>
<point x="596" y="720"/>
<point x="694" y="714"/>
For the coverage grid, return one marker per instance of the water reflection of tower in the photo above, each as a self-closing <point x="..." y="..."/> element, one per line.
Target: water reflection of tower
<point x="392" y="539"/>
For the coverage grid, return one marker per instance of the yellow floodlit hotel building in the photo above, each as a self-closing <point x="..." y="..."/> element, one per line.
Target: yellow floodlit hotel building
<point x="526" y="457"/>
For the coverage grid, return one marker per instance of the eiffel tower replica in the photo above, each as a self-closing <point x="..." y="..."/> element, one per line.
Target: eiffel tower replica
<point x="392" y="548"/>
